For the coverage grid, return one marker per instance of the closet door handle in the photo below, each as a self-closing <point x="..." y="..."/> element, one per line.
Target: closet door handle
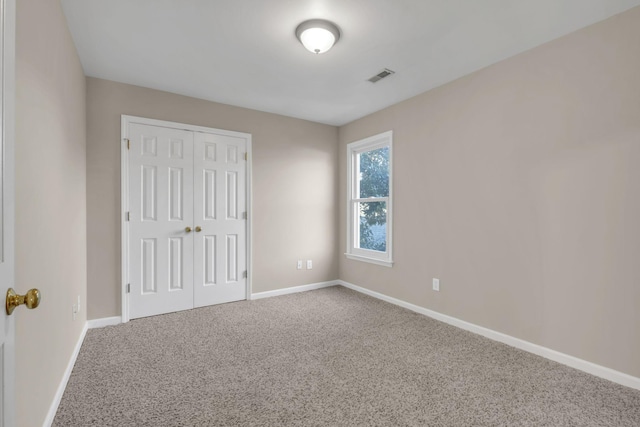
<point x="188" y="229"/>
<point x="198" y="229"/>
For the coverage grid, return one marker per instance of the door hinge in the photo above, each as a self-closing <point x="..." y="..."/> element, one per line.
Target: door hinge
<point x="128" y="288"/>
<point x="244" y="215"/>
<point x="128" y="216"/>
<point x="244" y="274"/>
<point x="128" y="143"/>
<point x="246" y="156"/>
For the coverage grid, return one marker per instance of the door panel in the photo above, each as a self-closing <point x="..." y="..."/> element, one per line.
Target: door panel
<point x="179" y="179"/>
<point x="220" y="201"/>
<point x="161" y="208"/>
<point x="7" y="207"/>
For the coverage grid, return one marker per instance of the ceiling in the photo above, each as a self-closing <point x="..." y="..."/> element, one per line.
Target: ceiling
<point x="245" y="53"/>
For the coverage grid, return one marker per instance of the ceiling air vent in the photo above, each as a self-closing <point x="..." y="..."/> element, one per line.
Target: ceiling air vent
<point x="381" y="75"/>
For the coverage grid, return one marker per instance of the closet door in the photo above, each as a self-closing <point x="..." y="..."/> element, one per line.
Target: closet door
<point x="220" y="259"/>
<point x="161" y="213"/>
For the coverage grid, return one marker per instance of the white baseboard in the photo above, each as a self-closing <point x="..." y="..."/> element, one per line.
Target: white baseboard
<point x="293" y="289"/>
<point x="65" y="378"/>
<point x="556" y="356"/>
<point x="105" y="321"/>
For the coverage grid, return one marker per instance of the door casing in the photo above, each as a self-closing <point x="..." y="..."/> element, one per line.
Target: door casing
<point x="126" y="120"/>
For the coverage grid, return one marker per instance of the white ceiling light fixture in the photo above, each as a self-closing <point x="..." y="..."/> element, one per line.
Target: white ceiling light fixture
<point x="318" y="35"/>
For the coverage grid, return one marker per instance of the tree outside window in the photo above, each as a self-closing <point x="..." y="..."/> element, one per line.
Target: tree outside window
<point x="374" y="183"/>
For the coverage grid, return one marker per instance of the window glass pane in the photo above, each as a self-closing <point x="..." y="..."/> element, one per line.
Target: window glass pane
<point x="373" y="225"/>
<point x="374" y="173"/>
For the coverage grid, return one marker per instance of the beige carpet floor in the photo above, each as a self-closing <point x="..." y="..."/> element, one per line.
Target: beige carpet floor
<point x="330" y="357"/>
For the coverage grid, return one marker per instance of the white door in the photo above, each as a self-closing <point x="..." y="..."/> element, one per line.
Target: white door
<point x="161" y="219"/>
<point x="7" y="135"/>
<point x="187" y="217"/>
<point x="220" y="219"/>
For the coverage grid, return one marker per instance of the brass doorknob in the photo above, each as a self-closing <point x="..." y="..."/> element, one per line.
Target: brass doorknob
<point x="31" y="299"/>
<point x="198" y="229"/>
<point x="188" y="229"/>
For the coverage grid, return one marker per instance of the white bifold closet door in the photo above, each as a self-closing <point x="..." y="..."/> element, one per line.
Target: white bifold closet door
<point x="161" y="208"/>
<point x="187" y="220"/>
<point x="220" y="211"/>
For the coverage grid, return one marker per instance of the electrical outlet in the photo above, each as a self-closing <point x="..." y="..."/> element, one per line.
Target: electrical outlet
<point x="309" y="264"/>
<point x="436" y="284"/>
<point x="74" y="311"/>
<point x="299" y="264"/>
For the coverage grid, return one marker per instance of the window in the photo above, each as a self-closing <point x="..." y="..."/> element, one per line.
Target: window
<point x="369" y="199"/>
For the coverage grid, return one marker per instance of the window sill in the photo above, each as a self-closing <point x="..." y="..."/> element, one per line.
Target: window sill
<point x="370" y="260"/>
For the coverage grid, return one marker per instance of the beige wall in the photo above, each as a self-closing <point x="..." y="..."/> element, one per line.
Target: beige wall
<point x="517" y="186"/>
<point x="50" y="202"/>
<point x="294" y="187"/>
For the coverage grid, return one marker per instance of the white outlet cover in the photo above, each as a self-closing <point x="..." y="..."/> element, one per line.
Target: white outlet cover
<point x="436" y="284"/>
<point x="299" y="266"/>
<point x="309" y="264"/>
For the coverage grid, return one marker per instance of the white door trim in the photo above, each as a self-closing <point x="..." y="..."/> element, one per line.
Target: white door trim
<point x="126" y="120"/>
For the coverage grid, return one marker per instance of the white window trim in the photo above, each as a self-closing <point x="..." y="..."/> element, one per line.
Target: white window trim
<point x="384" y="139"/>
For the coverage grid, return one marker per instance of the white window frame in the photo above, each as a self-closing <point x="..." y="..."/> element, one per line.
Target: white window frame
<point x="374" y="142"/>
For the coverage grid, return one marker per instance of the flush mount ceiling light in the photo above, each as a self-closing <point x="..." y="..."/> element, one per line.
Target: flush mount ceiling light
<point x="318" y="35"/>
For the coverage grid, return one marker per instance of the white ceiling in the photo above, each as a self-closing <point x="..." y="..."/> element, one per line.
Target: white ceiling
<point x="245" y="53"/>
